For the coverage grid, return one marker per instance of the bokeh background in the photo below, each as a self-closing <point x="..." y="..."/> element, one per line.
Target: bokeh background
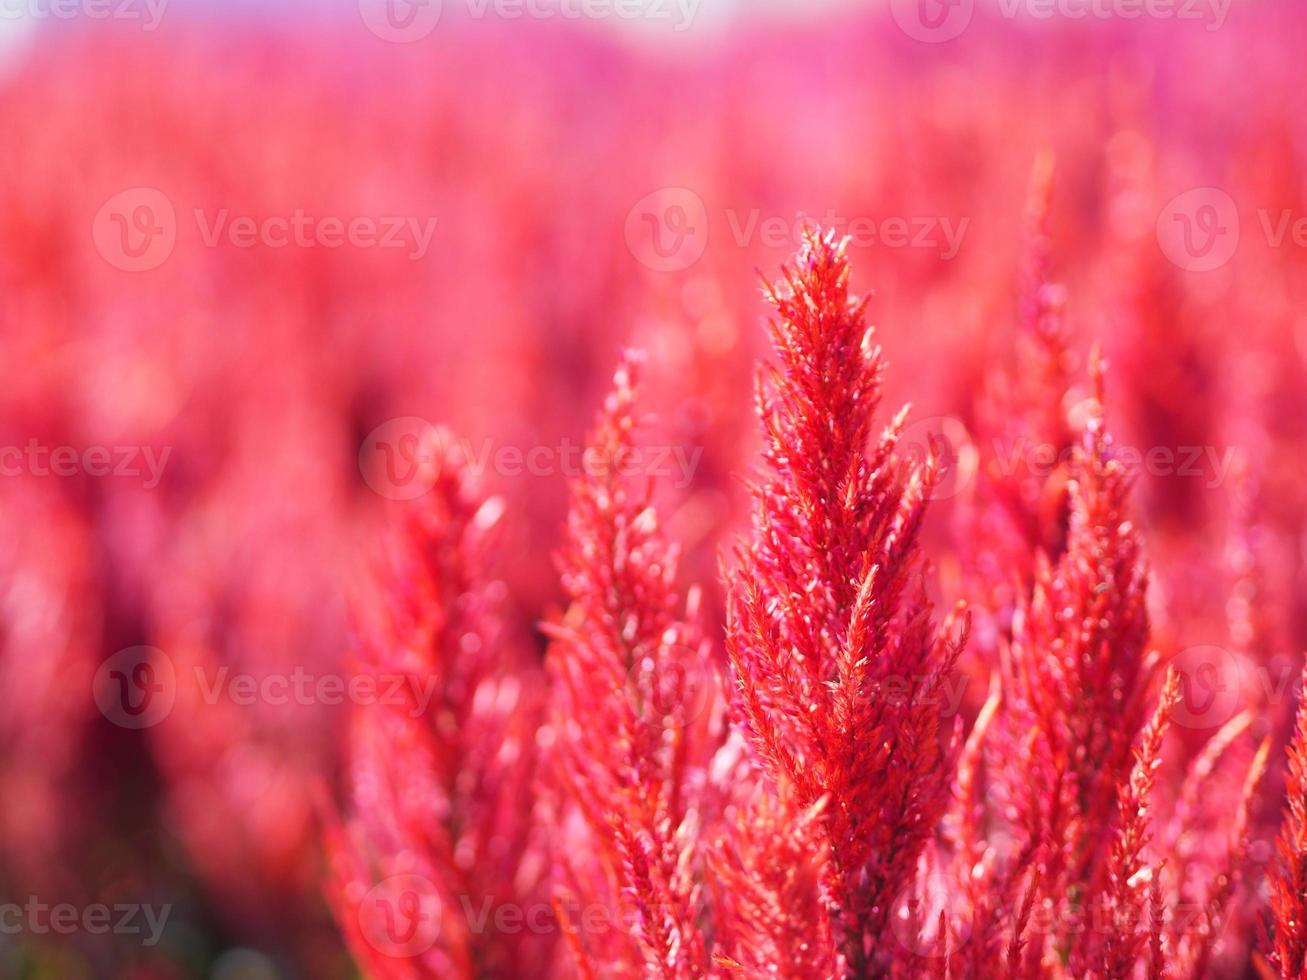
<point x="248" y="250"/>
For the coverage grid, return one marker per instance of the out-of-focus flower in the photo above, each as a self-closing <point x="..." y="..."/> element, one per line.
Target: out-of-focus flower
<point x="442" y="759"/>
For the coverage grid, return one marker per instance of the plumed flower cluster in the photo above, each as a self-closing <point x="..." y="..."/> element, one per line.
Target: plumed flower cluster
<point x="629" y="678"/>
<point x="837" y="661"/>
<point x="821" y="815"/>
<point x="443" y="758"/>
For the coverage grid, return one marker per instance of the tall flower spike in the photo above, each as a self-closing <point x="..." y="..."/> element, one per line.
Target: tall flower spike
<point x="1288" y="878"/>
<point x="629" y="696"/>
<point x="836" y="658"/>
<point x="768" y="875"/>
<point x="1079" y="678"/>
<point x="1131" y="882"/>
<point x="442" y="764"/>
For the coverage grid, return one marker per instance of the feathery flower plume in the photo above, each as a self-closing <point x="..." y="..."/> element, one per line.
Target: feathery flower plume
<point x="767" y="875"/>
<point x="1078" y="681"/>
<point x="1288" y="878"/>
<point x="1131" y="882"/>
<point x="442" y="761"/>
<point x="837" y="661"/>
<point x="630" y="694"/>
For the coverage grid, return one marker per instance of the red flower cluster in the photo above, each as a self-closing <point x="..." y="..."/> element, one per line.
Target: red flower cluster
<point x="832" y="820"/>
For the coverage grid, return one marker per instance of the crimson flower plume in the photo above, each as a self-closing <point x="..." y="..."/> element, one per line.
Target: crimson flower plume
<point x="837" y="660"/>
<point x="442" y="764"/>
<point x="628" y="690"/>
<point x="1288" y="879"/>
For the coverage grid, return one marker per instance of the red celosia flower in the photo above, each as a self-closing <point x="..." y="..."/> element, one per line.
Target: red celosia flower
<point x="767" y="874"/>
<point x="1132" y="884"/>
<point x="628" y="708"/>
<point x="1288" y="878"/>
<point x="1080" y="677"/>
<point x="838" y="663"/>
<point x="442" y="757"/>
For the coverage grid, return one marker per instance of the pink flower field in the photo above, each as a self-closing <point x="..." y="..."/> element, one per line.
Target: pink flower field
<point x="653" y="489"/>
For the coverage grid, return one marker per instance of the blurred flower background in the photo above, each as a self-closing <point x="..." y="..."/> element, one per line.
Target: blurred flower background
<point x="250" y="255"/>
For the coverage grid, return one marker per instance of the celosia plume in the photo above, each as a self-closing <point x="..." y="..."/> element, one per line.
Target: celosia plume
<point x="628" y="715"/>
<point x="1288" y="879"/>
<point x="442" y="763"/>
<point x="837" y="661"/>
